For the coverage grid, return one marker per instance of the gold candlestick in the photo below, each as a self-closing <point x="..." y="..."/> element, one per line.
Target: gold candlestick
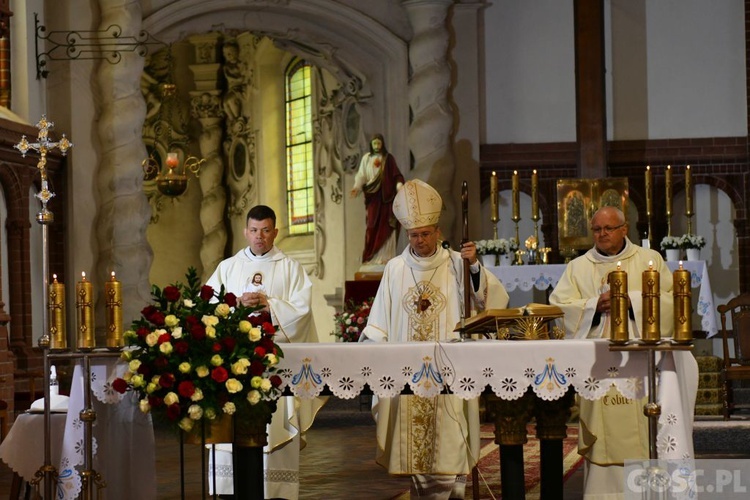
<point x="85" y="314"/>
<point x="649" y="200"/>
<point x="683" y="306"/>
<point x="113" y="297"/>
<point x="58" y="338"/>
<point x="618" y="290"/>
<point x="668" y="183"/>
<point x="651" y="305"/>
<point x="494" y="203"/>
<point x="516" y="202"/>
<point x="535" y="203"/>
<point x="689" y="199"/>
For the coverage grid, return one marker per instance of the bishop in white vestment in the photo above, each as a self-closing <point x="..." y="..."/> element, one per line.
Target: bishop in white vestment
<point x="420" y="299"/>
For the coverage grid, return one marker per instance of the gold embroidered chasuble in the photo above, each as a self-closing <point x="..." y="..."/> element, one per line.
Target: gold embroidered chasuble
<point x="421" y="300"/>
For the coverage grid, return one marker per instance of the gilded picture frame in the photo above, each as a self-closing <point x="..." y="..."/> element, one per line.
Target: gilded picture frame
<point x="578" y="200"/>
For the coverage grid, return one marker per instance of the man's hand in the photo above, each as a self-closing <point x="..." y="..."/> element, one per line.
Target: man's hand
<point x="254" y="299"/>
<point x="604" y="304"/>
<point x="354" y="193"/>
<point x="469" y="252"/>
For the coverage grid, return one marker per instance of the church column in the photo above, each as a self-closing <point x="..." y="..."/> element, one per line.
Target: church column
<point x="206" y="107"/>
<point x="124" y="211"/>
<point x="430" y="133"/>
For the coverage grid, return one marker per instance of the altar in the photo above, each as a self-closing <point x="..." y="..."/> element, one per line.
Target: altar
<point x="543" y="277"/>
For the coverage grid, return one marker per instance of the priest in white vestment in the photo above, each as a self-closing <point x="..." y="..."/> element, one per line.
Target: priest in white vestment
<point x="420" y="299"/>
<point x="611" y="433"/>
<point x="262" y="275"/>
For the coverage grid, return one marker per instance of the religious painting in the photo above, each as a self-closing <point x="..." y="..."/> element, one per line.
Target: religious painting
<point x="578" y="200"/>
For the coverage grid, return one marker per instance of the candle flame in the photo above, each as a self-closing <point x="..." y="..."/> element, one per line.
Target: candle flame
<point x="650" y="264"/>
<point x="534" y="172"/>
<point x="680" y="265"/>
<point x="669" y="167"/>
<point x="113" y="275"/>
<point x="688" y="167"/>
<point x="515" y="172"/>
<point x="83" y="275"/>
<point x="648" y="167"/>
<point x="494" y="173"/>
<point x="54" y="276"/>
<point x="618" y="265"/>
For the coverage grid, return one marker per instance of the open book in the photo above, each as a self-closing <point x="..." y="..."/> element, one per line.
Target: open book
<point x="529" y="322"/>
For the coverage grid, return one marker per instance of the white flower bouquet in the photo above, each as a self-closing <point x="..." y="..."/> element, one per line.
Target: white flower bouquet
<point x="692" y="241"/>
<point x="670" y="243"/>
<point x="496" y="247"/>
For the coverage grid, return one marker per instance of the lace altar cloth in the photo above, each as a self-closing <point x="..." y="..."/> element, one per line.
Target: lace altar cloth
<point x="508" y="368"/>
<point x="543" y="277"/>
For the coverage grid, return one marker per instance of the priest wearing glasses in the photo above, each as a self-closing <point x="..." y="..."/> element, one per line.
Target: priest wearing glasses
<point x="420" y="299"/>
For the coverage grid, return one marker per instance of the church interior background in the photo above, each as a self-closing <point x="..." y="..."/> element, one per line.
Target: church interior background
<point x="460" y="89"/>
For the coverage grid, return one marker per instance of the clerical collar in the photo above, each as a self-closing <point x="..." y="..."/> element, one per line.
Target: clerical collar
<point x="624" y="244"/>
<point x="417" y="256"/>
<point x="247" y="249"/>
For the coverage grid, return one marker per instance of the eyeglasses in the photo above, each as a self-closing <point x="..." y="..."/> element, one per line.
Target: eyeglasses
<point x="423" y="235"/>
<point x="606" y="229"/>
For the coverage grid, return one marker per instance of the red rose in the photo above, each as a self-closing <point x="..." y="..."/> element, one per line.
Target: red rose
<point x="268" y="328"/>
<point x="148" y="311"/>
<point x="192" y="321"/>
<point x="161" y="362"/>
<point x="166" y="380"/>
<point x="266" y="343"/>
<point x="275" y="380"/>
<point x="155" y="401"/>
<point x="257" y="368"/>
<point x="181" y="347"/>
<point x="164" y="337"/>
<point x="258" y="318"/>
<point x="120" y="385"/>
<point x="144" y="370"/>
<point x="229" y="343"/>
<point x="173" y="412"/>
<point x="230" y="299"/>
<point x="186" y="389"/>
<point x="143" y="332"/>
<point x="219" y="374"/>
<point x="216" y="347"/>
<point x="157" y="318"/>
<point x="207" y="293"/>
<point x="172" y="293"/>
<point x="198" y="332"/>
<point x="260" y="352"/>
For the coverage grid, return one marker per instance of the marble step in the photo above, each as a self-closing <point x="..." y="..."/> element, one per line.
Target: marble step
<point x="719" y="436"/>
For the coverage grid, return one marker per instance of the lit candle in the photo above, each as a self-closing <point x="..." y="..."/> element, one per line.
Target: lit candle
<point x="649" y="192"/>
<point x="85" y="313"/>
<point x="651" y="306"/>
<point x="516" y="197"/>
<point x="668" y="183"/>
<point x="688" y="192"/>
<point x="58" y="339"/>
<point x="494" y="201"/>
<point x="534" y="196"/>
<point x="683" y="305"/>
<point x="172" y="160"/>
<point x="618" y="292"/>
<point x="113" y="297"/>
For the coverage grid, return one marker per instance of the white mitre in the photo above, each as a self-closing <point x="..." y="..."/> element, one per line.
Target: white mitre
<point x="417" y="204"/>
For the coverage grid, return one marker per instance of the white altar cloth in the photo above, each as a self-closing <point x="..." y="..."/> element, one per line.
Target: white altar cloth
<point x="545" y="276"/>
<point x="509" y="368"/>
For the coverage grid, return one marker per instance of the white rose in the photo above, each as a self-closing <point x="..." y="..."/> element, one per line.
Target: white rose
<point x="229" y="408"/>
<point x="188" y="303"/>
<point x="233" y="385"/>
<point x="177" y="333"/>
<point x="253" y="397"/>
<point x="195" y="412"/>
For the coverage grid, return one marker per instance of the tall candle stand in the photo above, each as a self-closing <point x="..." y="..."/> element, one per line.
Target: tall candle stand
<point x="516" y="219"/>
<point x="535" y="218"/>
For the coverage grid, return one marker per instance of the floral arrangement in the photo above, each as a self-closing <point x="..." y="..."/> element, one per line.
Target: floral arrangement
<point x="670" y="243"/>
<point x="198" y="354"/>
<point x="352" y="320"/>
<point x="496" y="247"/>
<point x="692" y="241"/>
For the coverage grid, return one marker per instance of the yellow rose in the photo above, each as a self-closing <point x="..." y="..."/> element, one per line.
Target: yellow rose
<point x="197" y="395"/>
<point x="151" y="339"/>
<point x="195" y="412"/>
<point x="217" y="360"/>
<point x="255" y="382"/>
<point x="209" y="413"/>
<point x="245" y="326"/>
<point x="126" y="355"/>
<point x="186" y="424"/>
<point x="222" y="310"/>
<point x="144" y="406"/>
<point x="253" y="397"/>
<point x="233" y="385"/>
<point x="171" y="320"/>
<point x="137" y="380"/>
<point x="202" y="371"/>
<point x="210" y="320"/>
<point x="239" y="368"/>
<point x="272" y="359"/>
<point x="255" y="334"/>
<point x="129" y="334"/>
<point x="171" y="398"/>
<point x="229" y="408"/>
<point x="166" y="348"/>
<point x="151" y="387"/>
<point x="127" y="376"/>
<point x="265" y="385"/>
<point x="184" y="367"/>
<point x="211" y="332"/>
<point x="134" y="365"/>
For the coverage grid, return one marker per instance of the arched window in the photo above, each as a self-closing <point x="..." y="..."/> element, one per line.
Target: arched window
<point x="299" y="149"/>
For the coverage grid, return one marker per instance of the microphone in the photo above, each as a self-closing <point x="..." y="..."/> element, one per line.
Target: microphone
<point x="446" y="244"/>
